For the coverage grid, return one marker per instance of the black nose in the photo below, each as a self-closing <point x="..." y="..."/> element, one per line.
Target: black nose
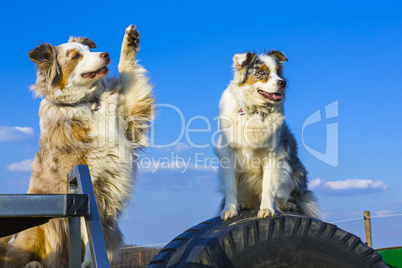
<point x="281" y="83"/>
<point x="104" y="55"/>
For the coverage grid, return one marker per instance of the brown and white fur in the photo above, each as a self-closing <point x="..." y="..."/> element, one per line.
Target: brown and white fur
<point x="260" y="168"/>
<point x="85" y="118"/>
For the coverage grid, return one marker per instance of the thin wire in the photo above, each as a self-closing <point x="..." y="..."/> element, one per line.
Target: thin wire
<point x="393" y="233"/>
<point x="371" y="217"/>
<point x="352" y="219"/>
<point x="144" y="246"/>
<point x="384" y="216"/>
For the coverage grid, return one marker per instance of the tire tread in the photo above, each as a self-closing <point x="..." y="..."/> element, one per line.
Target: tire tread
<point x="218" y="241"/>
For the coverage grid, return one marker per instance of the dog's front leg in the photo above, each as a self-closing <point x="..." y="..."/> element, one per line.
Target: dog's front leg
<point x="129" y="51"/>
<point x="270" y="182"/>
<point x="128" y="67"/>
<point x="137" y="92"/>
<point x="230" y="188"/>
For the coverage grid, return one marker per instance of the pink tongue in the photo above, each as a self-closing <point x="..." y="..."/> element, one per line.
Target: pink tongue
<point x="276" y="97"/>
<point x="90" y="75"/>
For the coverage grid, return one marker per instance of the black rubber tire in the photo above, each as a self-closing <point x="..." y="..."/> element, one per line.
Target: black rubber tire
<point x="286" y="240"/>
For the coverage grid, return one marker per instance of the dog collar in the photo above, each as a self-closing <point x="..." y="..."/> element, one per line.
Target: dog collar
<point x="95" y="106"/>
<point x="242" y="112"/>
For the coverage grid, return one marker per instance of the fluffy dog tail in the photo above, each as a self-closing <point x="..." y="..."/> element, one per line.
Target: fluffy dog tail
<point x="308" y="204"/>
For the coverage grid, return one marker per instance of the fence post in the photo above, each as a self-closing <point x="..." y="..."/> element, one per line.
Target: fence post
<point x="367" y="228"/>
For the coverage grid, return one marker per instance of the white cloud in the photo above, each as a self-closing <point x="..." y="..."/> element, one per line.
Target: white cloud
<point x="182" y="147"/>
<point x="23" y="166"/>
<point x="26" y="130"/>
<point x="8" y="134"/>
<point x="348" y="185"/>
<point x="351" y="184"/>
<point x="315" y="183"/>
<point x="382" y="212"/>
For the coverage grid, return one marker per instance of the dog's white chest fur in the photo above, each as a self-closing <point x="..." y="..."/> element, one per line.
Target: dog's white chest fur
<point x="253" y="130"/>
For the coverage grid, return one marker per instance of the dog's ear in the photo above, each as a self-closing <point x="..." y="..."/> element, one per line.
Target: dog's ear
<point x="43" y="55"/>
<point x="278" y="55"/>
<point x="240" y="63"/>
<point x="242" y="60"/>
<point x="82" y="40"/>
<point x="49" y="71"/>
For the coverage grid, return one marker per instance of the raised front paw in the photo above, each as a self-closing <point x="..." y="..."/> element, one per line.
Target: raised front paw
<point x="129" y="48"/>
<point x="264" y="212"/>
<point x="132" y="36"/>
<point x="229" y="213"/>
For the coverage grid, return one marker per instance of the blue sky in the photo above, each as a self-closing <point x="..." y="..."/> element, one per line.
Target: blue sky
<point x="342" y="52"/>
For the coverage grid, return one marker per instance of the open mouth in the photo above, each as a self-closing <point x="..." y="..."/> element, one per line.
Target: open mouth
<point x="101" y="72"/>
<point x="270" y="96"/>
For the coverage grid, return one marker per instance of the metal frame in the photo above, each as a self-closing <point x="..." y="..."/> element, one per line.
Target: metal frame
<point x="79" y="180"/>
<point x="34" y="205"/>
<point x="19" y="212"/>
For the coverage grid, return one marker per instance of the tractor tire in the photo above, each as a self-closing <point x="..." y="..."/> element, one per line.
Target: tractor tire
<point x="285" y="240"/>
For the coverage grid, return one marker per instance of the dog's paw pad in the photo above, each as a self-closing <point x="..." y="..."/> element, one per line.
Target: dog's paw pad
<point x="229" y="213"/>
<point x="133" y="36"/>
<point x="263" y="213"/>
<point x="33" y="264"/>
<point x="86" y="264"/>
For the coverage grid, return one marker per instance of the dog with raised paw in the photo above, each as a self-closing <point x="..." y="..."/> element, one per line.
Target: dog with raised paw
<point x="260" y="168"/>
<point x="85" y="118"/>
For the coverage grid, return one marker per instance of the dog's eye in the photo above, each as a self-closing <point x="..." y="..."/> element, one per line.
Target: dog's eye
<point x="76" y="56"/>
<point x="261" y="72"/>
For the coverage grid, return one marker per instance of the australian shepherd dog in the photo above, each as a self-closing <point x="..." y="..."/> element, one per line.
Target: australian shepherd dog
<point x="260" y="168"/>
<point x="85" y="118"/>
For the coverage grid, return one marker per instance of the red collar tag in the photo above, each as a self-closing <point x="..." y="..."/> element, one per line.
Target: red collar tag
<point x="95" y="106"/>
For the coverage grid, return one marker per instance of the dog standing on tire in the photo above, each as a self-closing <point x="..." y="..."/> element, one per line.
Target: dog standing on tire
<point x="260" y="168"/>
<point x="85" y="118"/>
